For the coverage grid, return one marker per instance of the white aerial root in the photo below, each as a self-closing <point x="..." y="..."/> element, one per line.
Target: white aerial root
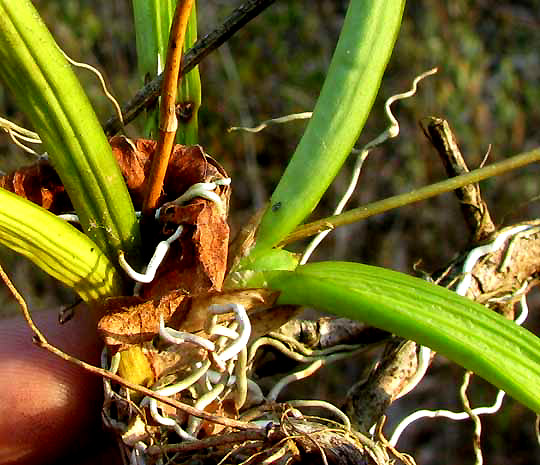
<point x="279" y="386"/>
<point x="322" y="404"/>
<point x="473" y="416"/>
<point x="244" y="329"/>
<point x="109" y="96"/>
<point x="17" y="141"/>
<point x="316" y="360"/>
<point x="173" y="336"/>
<point x="462" y="289"/>
<point x="159" y="254"/>
<point x="213" y="383"/>
<point x="137" y="454"/>
<point x="304" y="350"/>
<point x="328" y="355"/>
<point x="171" y="390"/>
<point x="22" y="133"/>
<point x="204" y="190"/>
<point x="479" y="252"/>
<point x="204" y="401"/>
<point x="242" y="382"/>
<point x="74" y="218"/>
<point x="219" y="330"/>
<point x="268" y="122"/>
<point x="198" y="373"/>
<point x="165" y="421"/>
<point x="457" y="416"/>
<point x="70" y="217"/>
<point x="391" y="132"/>
<point x="252" y="387"/>
<point x="207" y="386"/>
<point x="18" y="135"/>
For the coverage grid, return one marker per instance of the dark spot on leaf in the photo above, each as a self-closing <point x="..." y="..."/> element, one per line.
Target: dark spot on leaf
<point x="184" y="111"/>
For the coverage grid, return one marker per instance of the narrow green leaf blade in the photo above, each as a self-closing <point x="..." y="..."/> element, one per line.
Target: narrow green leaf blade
<point x="46" y="89"/>
<point x="57" y="248"/>
<point x="189" y="91"/>
<point x="480" y="340"/>
<point x="363" y="50"/>
<point x="153" y="19"/>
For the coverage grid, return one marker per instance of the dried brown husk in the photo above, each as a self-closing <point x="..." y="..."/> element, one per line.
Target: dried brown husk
<point x="40" y="183"/>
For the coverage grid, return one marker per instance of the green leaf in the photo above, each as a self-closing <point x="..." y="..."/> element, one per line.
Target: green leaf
<point x="46" y="89"/>
<point x="274" y="259"/>
<point x="480" y="340"/>
<point x="57" y="248"/>
<point x="153" y="19"/>
<point x="363" y="50"/>
<point x="189" y="91"/>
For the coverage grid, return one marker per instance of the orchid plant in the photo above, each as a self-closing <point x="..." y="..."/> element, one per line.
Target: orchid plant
<point x="94" y="259"/>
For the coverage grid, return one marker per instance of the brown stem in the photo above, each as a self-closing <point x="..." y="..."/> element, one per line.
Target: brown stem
<point x="211" y="441"/>
<point x="150" y="92"/>
<point x="327" y="332"/>
<point x="368" y="400"/>
<point x="474" y="209"/>
<point x="167" y="114"/>
<point x="41" y="341"/>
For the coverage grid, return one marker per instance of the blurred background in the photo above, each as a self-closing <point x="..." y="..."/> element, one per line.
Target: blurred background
<point x="488" y="88"/>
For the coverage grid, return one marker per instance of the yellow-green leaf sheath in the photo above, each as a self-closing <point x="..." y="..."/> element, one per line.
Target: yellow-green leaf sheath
<point x="56" y="247"/>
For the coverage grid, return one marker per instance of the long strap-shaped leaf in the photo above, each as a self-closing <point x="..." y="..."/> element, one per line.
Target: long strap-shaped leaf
<point x="153" y="19"/>
<point x="480" y="340"/>
<point x="46" y="89"/>
<point x="363" y="50"/>
<point x="189" y="91"/>
<point x="56" y="247"/>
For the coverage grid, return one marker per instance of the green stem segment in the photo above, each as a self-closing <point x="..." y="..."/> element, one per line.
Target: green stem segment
<point x="46" y="89"/>
<point x="423" y="193"/>
<point x="353" y="80"/>
<point x="480" y="340"/>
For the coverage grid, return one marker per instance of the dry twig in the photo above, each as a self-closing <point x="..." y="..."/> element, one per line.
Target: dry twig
<point x="150" y="92"/>
<point x="474" y="209"/>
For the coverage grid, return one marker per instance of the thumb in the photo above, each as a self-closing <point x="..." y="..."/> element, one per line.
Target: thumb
<point x="48" y="406"/>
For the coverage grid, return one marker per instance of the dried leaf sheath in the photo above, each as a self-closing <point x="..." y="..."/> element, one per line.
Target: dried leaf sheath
<point x="40" y="184"/>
